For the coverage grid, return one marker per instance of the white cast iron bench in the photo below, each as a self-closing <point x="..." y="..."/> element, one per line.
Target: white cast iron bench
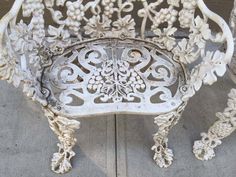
<point x="109" y="57"/>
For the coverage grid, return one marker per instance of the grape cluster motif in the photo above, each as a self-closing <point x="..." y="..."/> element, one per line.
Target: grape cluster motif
<point x="168" y="15"/>
<point x="36" y="8"/>
<point x="75" y="14"/>
<point x="186" y="15"/>
<point x="108" y="7"/>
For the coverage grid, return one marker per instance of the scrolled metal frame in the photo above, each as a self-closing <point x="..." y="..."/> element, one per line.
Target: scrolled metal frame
<point x="97" y="59"/>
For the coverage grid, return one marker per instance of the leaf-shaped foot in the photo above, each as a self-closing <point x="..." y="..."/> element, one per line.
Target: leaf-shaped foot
<point x="163" y="156"/>
<point x="204" y="148"/>
<point x="61" y="160"/>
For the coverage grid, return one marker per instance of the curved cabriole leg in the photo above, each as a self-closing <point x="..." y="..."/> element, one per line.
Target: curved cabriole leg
<point x="225" y="126"/>
<point x="65" y="129"/>
<point x="163" y="155"/>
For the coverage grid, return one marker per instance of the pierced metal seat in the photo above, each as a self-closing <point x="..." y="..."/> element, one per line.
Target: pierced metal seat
<point x="111" y="56"/>
<point x="114" y="76"/>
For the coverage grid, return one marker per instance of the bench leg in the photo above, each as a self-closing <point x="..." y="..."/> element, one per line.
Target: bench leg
<point x="65" y="129"/>
<point x="204" y="148"/>
<point x="163" y="155"/>
<point x="225" y="126"/>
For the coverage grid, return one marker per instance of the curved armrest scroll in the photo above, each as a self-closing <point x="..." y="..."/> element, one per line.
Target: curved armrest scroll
<point x="227" y="34"/>
<point x="7" y="18"/>
<point x="213" y="64"/>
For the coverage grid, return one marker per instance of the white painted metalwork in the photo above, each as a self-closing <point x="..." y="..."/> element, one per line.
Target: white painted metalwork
<point x="111" y="56"/>
<point x="226" y="125"/>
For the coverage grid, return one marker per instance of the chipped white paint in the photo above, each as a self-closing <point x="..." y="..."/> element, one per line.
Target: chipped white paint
<point x="97" y="60"/>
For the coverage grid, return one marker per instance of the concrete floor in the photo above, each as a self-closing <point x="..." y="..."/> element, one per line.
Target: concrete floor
<point x="27" y="143"/>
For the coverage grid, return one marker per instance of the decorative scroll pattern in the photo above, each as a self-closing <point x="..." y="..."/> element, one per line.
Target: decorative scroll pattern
<point x="111" y="71"/>
<point x="226" y="125"/>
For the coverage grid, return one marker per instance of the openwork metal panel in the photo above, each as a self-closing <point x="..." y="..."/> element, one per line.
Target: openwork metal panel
<point x="111" y="75"/>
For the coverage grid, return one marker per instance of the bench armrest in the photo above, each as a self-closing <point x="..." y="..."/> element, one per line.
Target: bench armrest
<point x="214" y="63"/>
